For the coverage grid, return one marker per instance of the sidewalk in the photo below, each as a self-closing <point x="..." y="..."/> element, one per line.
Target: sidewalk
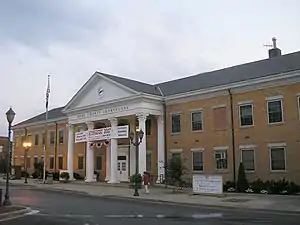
<point x="9" y="212"/>
<point x="160" y="194"/>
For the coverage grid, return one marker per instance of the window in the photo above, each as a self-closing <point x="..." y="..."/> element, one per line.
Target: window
<point x="52" y="137"/>
<point x="61" y="136"/>
<point x="176" y="155"/>
<point x="51" y="164"/>
<point x="275" y="113"/>
<point x="175" y="123"/>
<point x="99" y="162"/>
<point x="246" y="115"/>
<point x="44" y="139"/>
<point x="197" y="123"/>
<point x="42" y="159"/>
<point x="36" y="139"/>
<point x="248" y="159"/>
<point x="277" y="155"/>
<point x="60" y="162"/>
<point x="80" y="162"/>
<point x="197" y="160"/>
<point x="35" y="160"/>
<point x="148" y="126"/>
<point x="220" y="118"/>
<point x="298" y="102"/>
<point x="149" y="162"/>
<point x="28" y="161"/>
<point x="221" y="159"/>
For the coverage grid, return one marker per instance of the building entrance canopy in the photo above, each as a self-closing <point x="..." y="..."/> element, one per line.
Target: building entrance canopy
<point x="101" y="134"/>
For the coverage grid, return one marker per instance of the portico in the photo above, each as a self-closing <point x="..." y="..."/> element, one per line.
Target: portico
<point x="103" y="103"/>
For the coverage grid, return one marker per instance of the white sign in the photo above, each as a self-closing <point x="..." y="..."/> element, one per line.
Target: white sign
<point x="101" y="134"/>
<point x="102" y="112"/>
<point x="210" y="184"/>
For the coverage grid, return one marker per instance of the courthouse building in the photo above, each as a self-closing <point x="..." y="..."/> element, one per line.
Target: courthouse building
<point x="247" y="113"/>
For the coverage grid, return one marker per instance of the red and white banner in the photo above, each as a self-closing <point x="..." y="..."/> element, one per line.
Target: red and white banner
<point x="101" y="134"/>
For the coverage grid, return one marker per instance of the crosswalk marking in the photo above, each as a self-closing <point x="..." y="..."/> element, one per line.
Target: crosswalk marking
<point x="161" y="216"/>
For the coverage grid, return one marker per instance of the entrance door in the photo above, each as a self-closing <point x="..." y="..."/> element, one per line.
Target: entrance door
<point x="122" y="168"/>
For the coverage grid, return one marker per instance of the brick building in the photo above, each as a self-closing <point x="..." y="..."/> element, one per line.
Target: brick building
<point x="213" y="121"/>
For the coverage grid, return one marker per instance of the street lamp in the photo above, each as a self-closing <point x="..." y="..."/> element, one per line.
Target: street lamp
<point x="136" y="143"/>
<point x="27" y="146"/>
<point x="10" y="115"/>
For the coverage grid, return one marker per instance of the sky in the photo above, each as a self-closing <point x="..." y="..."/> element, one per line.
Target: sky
<point x="147" y="40"/>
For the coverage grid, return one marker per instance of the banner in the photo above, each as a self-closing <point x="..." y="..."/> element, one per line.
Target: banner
<point x="101" y="134"/>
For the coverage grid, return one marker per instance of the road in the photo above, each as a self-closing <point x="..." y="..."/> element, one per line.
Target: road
<point x="73" y="209"/>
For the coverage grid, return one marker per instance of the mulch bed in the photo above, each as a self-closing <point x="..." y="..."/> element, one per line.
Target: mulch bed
<point x="6" y="209"/>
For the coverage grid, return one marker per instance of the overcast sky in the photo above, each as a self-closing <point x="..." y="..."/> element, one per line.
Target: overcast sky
<point x="152" y="41"/>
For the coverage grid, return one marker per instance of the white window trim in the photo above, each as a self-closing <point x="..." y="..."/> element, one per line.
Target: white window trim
<point x="191" y="115"/>
<point x="179" y="150"/>
<point x="254" y="155"/>
<point x="220" y="148"/>
<point x="270" y="159"/>
<point x="282" y="113"/>
<point x="64" y="135"/>
<point x="277" y="145"/>
<point x="219" y="106"/>
<point x="197" y="150"/>
<point x="175" y="114"/>
<point x="252" y="112"/>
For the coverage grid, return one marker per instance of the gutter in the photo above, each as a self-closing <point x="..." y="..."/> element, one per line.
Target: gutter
<point x="232" y="135"/>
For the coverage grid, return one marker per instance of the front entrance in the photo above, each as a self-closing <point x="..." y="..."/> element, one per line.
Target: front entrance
<point x="122" y="168"/>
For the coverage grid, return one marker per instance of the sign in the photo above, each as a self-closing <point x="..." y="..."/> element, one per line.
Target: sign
<point x="102" y="112"/>
<point x="101" y="134"/>
<point x="207" y="184"/>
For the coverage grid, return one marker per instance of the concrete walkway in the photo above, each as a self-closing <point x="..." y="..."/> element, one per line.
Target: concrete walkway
<point x="161" y="194"/>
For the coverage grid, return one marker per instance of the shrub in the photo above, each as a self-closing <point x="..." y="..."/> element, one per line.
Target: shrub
<point x="24" y="173"/>
<point x="65" y="176"/>
<point x="136" y="178"/>
<point x="228" y="185"/>
<point x="56" y="176"/>
<point x="242" y="183"/>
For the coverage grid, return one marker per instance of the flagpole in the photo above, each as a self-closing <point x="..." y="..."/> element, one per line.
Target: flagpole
<point x="46" y="129"/>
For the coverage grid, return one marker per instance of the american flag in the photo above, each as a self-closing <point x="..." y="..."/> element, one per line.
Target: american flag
<point x="48" y="92"/>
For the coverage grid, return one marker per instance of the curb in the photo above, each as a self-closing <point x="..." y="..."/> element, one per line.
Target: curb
<point x="14" y="213"/>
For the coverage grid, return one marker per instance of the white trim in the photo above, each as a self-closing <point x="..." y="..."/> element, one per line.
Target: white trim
<point x="51" y="156"/>
<point x="35" y="156"/>
<point x="239" y="114"/>
<point x="270" y="159"/>
<point x="245" y="102"/>
<point x="175" y="113"/>
<point x="282" y="114"/>
<point x="80" y="155"/>
<point x="248" y="148"/>
<point x="219" y="106"/>
<point x="191" y="120"/>
<point x="196" y="110"/>
<point x="60" y="155"/>
<point x="276" y="145"/>
<point x="178" y="150"/>
<point x="197" y="149"/>
<point x="220" y="148"/>
<point x="273" y="98"/>
<point x="51" y="122"/>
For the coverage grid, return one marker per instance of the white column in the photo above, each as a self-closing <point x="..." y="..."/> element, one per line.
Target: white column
<point x="132" y="147"/>
<point x="71" y="151"/>
<point x="114" y="153"/>
<point x="160" y="148"/>
<point x="142" y="148"/>
<point x="89" y="157"/>
<point x="108" y="149"/>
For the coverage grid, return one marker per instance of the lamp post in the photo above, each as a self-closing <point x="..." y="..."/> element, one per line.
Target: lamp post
<point x="10" y="115"/>
<point x="136" y="143"/>
<point x="27" y="146"/>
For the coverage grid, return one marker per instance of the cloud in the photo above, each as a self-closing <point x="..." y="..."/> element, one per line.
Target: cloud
<point x="152" y="41"/>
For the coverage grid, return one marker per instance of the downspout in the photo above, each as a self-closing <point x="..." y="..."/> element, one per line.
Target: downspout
<point x="55" y="148"/>
<point x="232" y="135"/>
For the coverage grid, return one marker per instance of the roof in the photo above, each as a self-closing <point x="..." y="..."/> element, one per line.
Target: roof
<point x="262" y="68"/>
<point x="52" y="114"/>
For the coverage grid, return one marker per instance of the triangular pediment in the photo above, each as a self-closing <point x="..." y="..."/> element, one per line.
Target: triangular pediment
<point x="98" y="89"/>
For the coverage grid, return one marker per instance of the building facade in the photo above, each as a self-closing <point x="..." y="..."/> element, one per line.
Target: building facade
<point x="213" y="121"/>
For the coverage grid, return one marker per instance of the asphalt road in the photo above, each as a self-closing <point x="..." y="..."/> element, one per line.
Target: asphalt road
<point x="72" y="209"/>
